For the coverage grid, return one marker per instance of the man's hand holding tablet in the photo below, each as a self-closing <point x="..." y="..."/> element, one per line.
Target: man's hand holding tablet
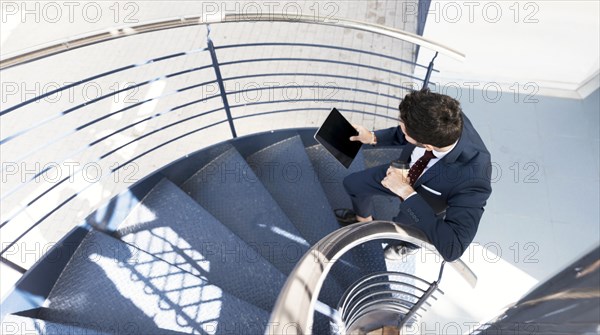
<point x="364" y="135"/>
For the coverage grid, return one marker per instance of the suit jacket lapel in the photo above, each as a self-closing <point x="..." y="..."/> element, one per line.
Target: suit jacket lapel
<point x="406" y="152"/>
<point x="438" y="167"/>
<point x="433" y="171"/>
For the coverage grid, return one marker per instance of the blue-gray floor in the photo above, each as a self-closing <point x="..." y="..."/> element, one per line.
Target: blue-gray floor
<point x="543" y="212"/>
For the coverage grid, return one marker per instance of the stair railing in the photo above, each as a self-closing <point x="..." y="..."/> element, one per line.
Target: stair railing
<point x="165" y="24"/>
<point x="391" y="302"/>
<point x="295" y="307"/>
<point x="34" y="204"/>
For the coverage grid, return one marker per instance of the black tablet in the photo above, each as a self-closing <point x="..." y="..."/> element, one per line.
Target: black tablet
<point x="334" y="134"/>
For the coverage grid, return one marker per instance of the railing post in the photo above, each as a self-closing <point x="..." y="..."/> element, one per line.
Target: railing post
<point x="12" y="265"/>
<point x="423" y="298"/>
<point x="429" y="70"/>
<point x="215" y="63"/>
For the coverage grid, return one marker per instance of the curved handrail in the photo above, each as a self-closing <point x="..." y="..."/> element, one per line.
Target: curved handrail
<point x="362" y="288"/>
<point x="164" y="24"/>
<point x="97" y="37"/>
<point x="352" y="24"/>
<point x="83" y="40"/>
<point x="295" y="305"/>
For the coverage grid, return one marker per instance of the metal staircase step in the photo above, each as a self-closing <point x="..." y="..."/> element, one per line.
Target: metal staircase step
<point x="331" y="173"/>
<point x="368" y="256"/>
<point x="286" y="172"/>
<point x="229" y="189"/>
<point x="173" y="227"/>
<point x="375" y="156"/>
<point x="17" y="325"/>
<point x="299" y="193"/>
<point x="117" y="286"/>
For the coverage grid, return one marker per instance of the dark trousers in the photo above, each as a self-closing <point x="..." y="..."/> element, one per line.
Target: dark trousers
<point x="362" y="186"/>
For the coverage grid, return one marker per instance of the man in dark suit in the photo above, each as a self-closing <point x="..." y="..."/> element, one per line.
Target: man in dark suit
<point x="444" y="192"/>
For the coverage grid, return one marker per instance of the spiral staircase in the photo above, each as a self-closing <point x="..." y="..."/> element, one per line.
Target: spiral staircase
<point x="237" y="237"/>
<point x="209" y="246"/>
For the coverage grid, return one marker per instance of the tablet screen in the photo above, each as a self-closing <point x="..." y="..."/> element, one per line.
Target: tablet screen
<point x="334" y="135"/>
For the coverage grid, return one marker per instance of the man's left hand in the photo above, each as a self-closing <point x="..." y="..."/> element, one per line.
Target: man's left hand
<point x="397" y="181"/>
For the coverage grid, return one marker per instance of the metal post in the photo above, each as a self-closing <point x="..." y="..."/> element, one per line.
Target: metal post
<point x="429" y="70"/>
<point x="423" y="298"/>
<point x="12" y="265"/>
<point x="215" y="62"/>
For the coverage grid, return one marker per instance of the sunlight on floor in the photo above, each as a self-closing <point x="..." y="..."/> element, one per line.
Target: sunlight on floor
<point x="499" y="284"/>
<point x="181" y="299"/>
<point x="289" y="236"/>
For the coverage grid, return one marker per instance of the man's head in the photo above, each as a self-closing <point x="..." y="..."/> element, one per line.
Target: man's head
<point x="428" y="118"/>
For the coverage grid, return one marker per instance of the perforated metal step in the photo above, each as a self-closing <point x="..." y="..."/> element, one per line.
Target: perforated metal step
<point x="285" y="170"/>
<point x="380" y="155"/>
<point x="331" y="174"/>
<point x="18" y="325"/>
<point x="172" y="226"/>
<point x="229" y="189"/>
<point x="367" y="256"/>
<point x="287" y="173"/>
<point x="112" y="284"/>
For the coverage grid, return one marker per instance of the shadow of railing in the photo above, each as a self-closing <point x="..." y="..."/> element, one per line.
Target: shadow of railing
<point x="29" y="204"/>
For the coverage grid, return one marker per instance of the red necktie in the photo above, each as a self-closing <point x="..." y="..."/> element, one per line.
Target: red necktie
<point x="417" y="168"/>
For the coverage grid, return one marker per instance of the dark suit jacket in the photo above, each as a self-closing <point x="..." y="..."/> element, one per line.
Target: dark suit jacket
<point x="450" y="195"/>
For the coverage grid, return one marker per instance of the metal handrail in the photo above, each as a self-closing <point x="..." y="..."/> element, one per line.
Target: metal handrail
<point x="352" y="24"/>
<point x="80" y="41"/>
<point x="42" y="192"/>
<point x="434" y="286"/>
<point x="95" y="38"/>
<point x="356" y="289"/>
<point x="295" y="305"/>
<point x="358" y="301"/>
<point x="353" y="304"/>
<point x="356" y="308"/>
<point x="362" y="290"/>
<point x="391" y="305"/>
<point x="164" y="24"/>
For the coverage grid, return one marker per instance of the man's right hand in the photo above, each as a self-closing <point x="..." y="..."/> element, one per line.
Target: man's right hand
<point x="364" y="135"/>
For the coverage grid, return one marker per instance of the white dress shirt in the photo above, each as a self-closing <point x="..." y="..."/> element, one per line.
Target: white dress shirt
<point x="418" y="152"/>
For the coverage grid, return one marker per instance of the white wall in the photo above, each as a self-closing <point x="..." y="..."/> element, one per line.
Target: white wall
<point x="552" y="44"/>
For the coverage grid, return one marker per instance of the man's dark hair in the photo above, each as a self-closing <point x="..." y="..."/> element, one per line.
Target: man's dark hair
<point x="431" y="118"/>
